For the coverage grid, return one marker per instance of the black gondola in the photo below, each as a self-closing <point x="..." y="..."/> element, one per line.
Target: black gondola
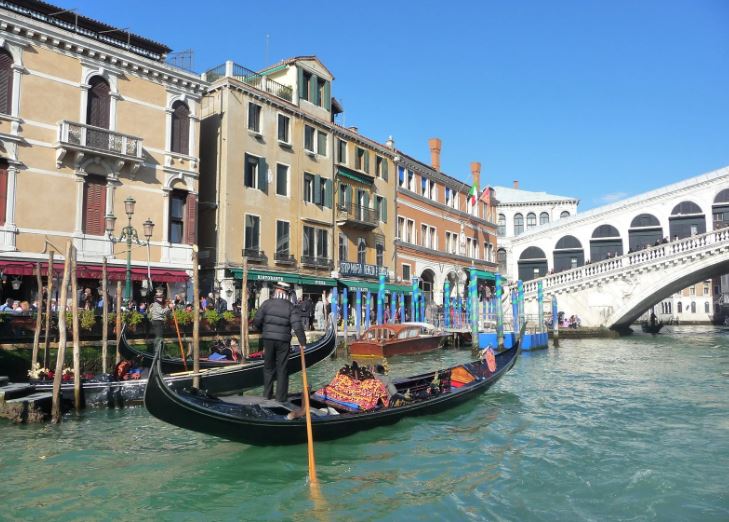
<point x="254" y="420"/>
<point x="106" y="391"/>
<point x="651" y="328"/>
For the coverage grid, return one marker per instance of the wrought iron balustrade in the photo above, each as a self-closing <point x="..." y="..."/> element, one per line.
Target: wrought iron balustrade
<point x="317" y="261"/>
<point x="80" y="135"/>
<point x="284" y="258"/>
<point x="358" y="214"/>
<point x="254" y="254"/>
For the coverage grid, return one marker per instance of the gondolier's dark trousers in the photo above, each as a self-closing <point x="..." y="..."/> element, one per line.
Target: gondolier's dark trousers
<point x="275" y="362"/>
<point x="157" y="328"/>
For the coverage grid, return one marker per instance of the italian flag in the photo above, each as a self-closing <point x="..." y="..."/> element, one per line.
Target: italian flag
<point x="473" y="193"/>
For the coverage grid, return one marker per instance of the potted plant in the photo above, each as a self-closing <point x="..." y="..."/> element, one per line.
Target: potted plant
<point x="133" y="318"/>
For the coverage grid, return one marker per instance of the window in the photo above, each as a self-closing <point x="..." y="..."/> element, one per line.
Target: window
<point x="448" y="196"/>
<point x="451" y="242"/>
<point x="342" y="247"/>
<point x="379" y="162"/>
<point x="706" y="290"/>
<point x="401" y="178"/>
<point x="564" y="214"/>
<point x="410" y="232"/>
<point x="501" y="230"/>
<point x="406" y="273"/>
<point x="707" y="309"/>
<point x="98" y="108"/>
<point x="322" y="196"/>
<point x="253" y="233"/>
<point x="180" y="132"/>
<point x="177" y="216"/>
<point x="308" y="187"/>
<point x="321" y="91"/>
<point x="282" y="180"/>
<point x="305" y="88"/>
<point x="309" y="138"/>
<point x="6" y="82"/>
<point x="316" y="243"/>
<point x="322" y="243"/>
<point x="679" y="307"/>
<point x="433" y="192"/>
<point x="401" y="228"/>
<point x="543" y="218"/>
<point x="693" y="307"/>
<point x="282" y="238"/>
<point x="501" y="260"/>
<point x="381" y="208"/>
<point x="255" y="173"/>
<point x="94" y="205"/>
<point x="309" y="246"/>
<point x="362" y="160"/>
<point x="531" y="220"/>
<point x="322" y="138"/>
<point x="342" y="152"/>
<point x="424" y="187"/>
<point x="3" y="190"/>
<point x="411" y="180"/>
<point x="361" y="251"/>
<point x="254" y="117"/>
<point x="284" y="127"/>
<point x="380" y="252"/>
<point x="518" y="224"/>
<point x="424" y="235"/>
<point x="692" y="290"/>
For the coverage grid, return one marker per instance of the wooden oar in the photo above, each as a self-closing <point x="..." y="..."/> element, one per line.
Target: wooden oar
<point x="179" y="340"/>
<point x="309" y="434"/>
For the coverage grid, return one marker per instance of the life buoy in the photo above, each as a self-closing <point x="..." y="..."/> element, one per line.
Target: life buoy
<point x="491" y="360"/>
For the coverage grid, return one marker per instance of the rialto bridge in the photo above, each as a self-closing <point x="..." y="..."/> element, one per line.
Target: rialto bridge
<point x="610" y="264"/>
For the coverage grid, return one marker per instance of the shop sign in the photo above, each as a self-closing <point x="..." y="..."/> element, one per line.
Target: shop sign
<point x="347" y="269"/>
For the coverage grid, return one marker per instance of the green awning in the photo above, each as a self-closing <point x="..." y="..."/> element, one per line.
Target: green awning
<point x="316" y="281"/>
<point x="483" y="274"/>
<point x="398" y="288"/>
<point x="355" y="176"/>
<point x="265" y="275"/>
<point x="373" y="287"/>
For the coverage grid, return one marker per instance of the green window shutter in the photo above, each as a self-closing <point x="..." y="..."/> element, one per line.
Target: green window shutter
<point x="317" y="190"/>
<point x="314" y="89"/>
<point x="384" y="208"/>
<point x="302" y="87"/>
<point x="384" y="169"/>
<point x="367" y="161"/>
<point x="328" y="193"/>
<point x="327" y="96"/>
<point x="263" y="175"/>
<point x="321" y="146"/>
<point x="348" y="196"/>
<point x="366" y="200"/>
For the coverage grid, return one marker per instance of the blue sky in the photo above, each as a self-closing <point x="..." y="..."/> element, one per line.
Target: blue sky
<point x="593" y="99"/>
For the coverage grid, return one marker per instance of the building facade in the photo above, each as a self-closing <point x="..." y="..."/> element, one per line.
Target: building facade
<point x="90" y="116"/>
<point x="442" y="235"/>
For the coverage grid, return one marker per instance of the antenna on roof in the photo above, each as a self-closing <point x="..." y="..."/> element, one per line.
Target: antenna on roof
<point x="73" y="10"/>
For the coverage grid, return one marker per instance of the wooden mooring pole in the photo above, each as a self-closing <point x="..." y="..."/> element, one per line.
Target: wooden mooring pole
<point x="245" y="346"/>
<point x="49" y="311"/>
<point x="76" y="336"/>
<point x="104" y="319"/>
<point x="61" y="352"/>
<point x="38" y="317"/>
<point x="195" y="319"/>
<point x="118" y="318"/>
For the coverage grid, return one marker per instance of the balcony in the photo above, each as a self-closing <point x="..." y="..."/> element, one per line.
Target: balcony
<point x="254" y="255"/>
<point x="252" y="78"/>
<point x="317" y="262"/>
<point x="284" y="258"/>
<point x="85" y="141"/>
<point x="357" y="216"/>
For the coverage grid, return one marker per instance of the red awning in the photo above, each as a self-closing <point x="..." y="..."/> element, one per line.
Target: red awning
<point x="87" y="271"/>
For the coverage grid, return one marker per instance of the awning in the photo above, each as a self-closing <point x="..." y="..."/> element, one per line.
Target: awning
<point x="363" y="286"/>
<point x="265" y="275"/>
<point x="317" y="281"/>
<point x="93" y="271"/>
<point x="355" y="176"/>
<point x="483" y="274"/>
<point x="398" y="288"/>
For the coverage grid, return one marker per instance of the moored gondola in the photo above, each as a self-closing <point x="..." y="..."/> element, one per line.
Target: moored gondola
<point x="651" y="328"/>
<point x="106" y="390"/>
<point x="255" y="420"/>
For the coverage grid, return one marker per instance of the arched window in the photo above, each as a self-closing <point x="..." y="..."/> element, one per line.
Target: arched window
<point x="531" y="220"/>
<point x="501" y="260"/>
<point x="707" y="308"/>
<point x="679" y="307"/>
<point x="183" y="210"/>
<point x="518" y="224"/>
<point x="6" y="82"/>
<point x="361" y="252"/>
<point x="501" y="225"/>
<point x="3" y="190"/>
<point x="543" y="218"/>
<point x="94" y="205"/>
<point x="98" y="104"/>
<point x="564" y="214"/>
<point x="693" y="307"/>
<point x="180" y="128"/>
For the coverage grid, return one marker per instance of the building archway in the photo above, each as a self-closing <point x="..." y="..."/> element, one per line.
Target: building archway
<point x="605" y="243"/>
<point x="532" y="264"/>
<point x="720" y="210"/>
<point x="568" y="254"/>
<point x="686" y="220"/>
<point x="427" y="284"/>
<point x="645" y="230"/>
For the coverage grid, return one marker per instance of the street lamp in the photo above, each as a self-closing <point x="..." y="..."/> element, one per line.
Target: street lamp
<point x="128" y="234"/>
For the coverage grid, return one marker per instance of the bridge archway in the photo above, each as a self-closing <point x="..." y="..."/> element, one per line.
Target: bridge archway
<point x="568" y="253"/>
<point x="532" y="263"/>
<point x="427" y="284"/>
<point x="606" y="242"/>
<point x="645" y="230"/>
<point x="720" y="210"/>
<point x="687" y="219"/>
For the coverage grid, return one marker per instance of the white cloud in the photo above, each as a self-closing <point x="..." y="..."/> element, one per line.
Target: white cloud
<point x="613" y="197"/>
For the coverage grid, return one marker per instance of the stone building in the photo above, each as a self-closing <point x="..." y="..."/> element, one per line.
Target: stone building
<point x="91" y="115"/>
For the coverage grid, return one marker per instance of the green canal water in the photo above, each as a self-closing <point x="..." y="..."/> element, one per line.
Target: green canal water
<point x="626" y="429"/>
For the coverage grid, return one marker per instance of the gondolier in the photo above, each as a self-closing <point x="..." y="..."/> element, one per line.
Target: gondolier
<point x="275" y="319"/>
<point x="157" y="316"/>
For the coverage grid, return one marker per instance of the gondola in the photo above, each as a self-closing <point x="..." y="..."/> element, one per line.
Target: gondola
<point x="258" y="421"/>
<point x="651" y="328"/>
<point x="104" y="390"/>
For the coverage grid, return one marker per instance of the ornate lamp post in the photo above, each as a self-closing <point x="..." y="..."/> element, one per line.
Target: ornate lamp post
<point x="128" y="234"/>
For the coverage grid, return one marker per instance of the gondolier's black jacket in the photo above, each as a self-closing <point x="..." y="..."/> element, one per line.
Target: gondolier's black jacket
<point x="275" y="319"/>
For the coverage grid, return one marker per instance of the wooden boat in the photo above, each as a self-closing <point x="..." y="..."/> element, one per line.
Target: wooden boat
<point x="386" y="340"/>
<point x="654" y="328"/>
<point x="104" y="390"/>
<point x="255" y="420"/>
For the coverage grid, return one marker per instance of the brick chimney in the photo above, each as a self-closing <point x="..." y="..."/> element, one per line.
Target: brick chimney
<point x="516" y="183"/>
<point x="434" y="144"/>
<point x="476" y="174"/>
